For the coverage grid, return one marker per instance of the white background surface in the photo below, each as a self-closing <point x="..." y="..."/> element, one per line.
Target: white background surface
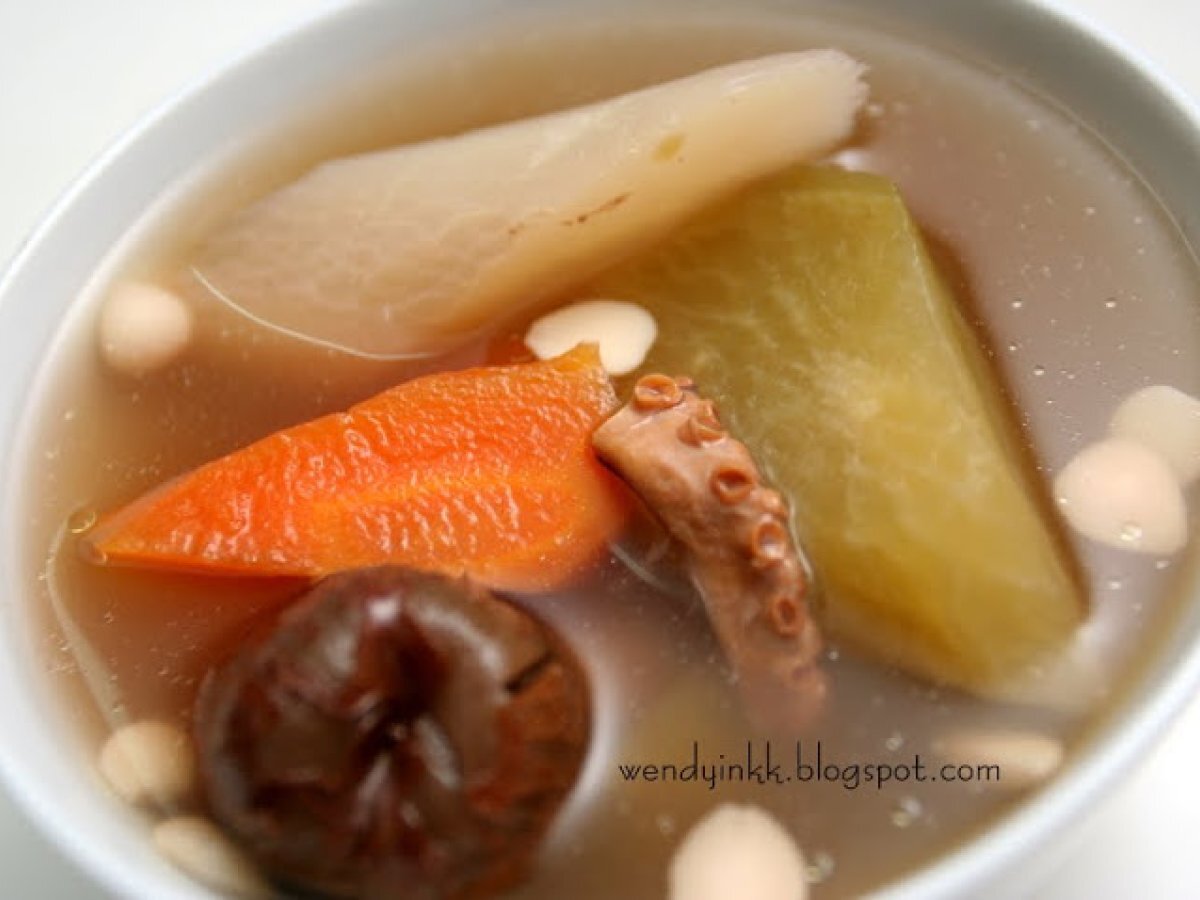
<point x="75" y="73"/>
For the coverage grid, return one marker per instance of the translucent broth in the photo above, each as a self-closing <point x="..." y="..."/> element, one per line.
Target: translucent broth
<point x="1083" y="287"/>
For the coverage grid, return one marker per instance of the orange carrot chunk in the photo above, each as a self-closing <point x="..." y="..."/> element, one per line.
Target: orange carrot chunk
<point x="486" y="471"/>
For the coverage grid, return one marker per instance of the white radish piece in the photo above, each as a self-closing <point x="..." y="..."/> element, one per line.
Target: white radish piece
<point x="1167" y="421"/>
<point x="1122" y="494"/>
<point x="623" y="331"/>
<point x="409" y="251"/>
<point x="143" y="327"/>
<point x="738" y="851"/>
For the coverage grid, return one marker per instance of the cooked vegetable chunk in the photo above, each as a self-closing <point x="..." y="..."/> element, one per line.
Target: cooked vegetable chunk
<point x="408" y="251"/>
<point x="809" y="308"/>
<point x="487" y="471"/>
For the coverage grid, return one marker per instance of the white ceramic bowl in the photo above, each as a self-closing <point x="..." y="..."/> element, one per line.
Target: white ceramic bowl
<point x="1149" y="123"/>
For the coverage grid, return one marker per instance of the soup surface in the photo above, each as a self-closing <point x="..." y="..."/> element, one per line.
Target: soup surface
<point x="1080" y="287"/>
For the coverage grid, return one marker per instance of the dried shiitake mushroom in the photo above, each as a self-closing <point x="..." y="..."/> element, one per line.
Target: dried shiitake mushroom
<point x="396" y="734"/>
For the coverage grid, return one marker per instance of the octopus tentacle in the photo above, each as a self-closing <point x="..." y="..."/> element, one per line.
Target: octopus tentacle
<point x="669" y="445"/>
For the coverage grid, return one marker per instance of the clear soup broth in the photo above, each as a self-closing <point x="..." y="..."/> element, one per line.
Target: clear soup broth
<point x="1079" y="285"/>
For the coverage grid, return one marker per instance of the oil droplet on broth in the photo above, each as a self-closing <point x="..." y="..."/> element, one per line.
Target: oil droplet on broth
<point x="82" y="520"/>
<point x="666" y="824"/>
<point x="1131" y="533"/>
<point x="820" y="868"/>
<point x="907" y="810"/>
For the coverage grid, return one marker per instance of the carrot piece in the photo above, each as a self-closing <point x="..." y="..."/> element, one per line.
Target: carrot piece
<point x="486" y="471"/>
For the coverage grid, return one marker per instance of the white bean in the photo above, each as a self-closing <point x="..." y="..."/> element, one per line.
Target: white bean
<point x="1167" y="421"/>
<point x="149" y="762"/>
<point x="1073" y="680"/>
<point x="1023" y="758"/>
<point x="196" y="846"/>
<point x="143" y="327"/>
<point x="624" y="331"/>
<point x="1124" y="495"/>
<point x="738" y="851"/>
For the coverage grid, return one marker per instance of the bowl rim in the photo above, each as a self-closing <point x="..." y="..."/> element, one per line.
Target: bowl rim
<point x="1054" y="810"/>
